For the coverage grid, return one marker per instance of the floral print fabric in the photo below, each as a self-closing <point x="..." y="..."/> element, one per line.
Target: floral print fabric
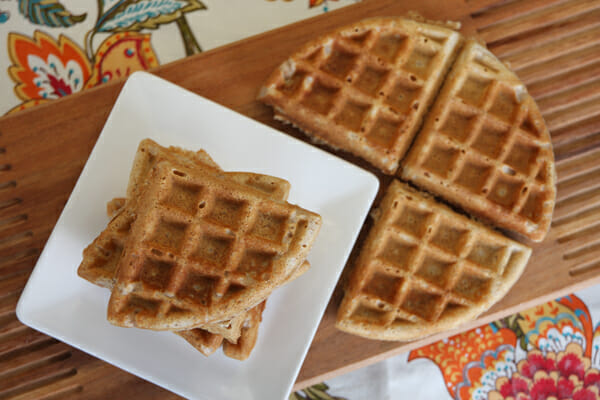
<point x="53" y="48"/>
<point x="551" y="351"/>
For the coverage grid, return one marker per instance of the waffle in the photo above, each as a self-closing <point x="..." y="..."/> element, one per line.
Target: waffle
<point x="149" y="153"/>
<point x="114" y="206"/>
<point x="424" y="268"/>
<point x="485" y="148"/>
<point x="364" y="88"/>
<point x="103" y="273"/>
<point x="202" y="340"/>
<point x="241" y="349"/>
<point x="101" y="257"/>
<point x="203" y="248"/>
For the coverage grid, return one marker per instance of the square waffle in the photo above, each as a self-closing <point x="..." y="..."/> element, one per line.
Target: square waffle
<point x="485" y="148"/>
<point x="243" y="347"/>
<point x="204" y="341"/>
<point x="364" y="88"/>
<point x="101" y="257"/>
<point x="424" y="268"/>
<point x="203" y="248"/>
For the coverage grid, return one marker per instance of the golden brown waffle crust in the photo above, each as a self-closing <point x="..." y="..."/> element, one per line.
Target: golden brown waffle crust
<point x="322" y="130"/>
<point x="147" y="154"/>
<point x="283" y="266"/>
<point x="317" y="92"/>
<point x="399" y="194"/>
<point x="479" y="204"/>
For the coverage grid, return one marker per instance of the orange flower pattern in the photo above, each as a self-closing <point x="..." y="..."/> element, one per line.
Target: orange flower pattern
<point x="44" y="68"/>
<point x="547" y="352"/>
<point x="120" y="55"/>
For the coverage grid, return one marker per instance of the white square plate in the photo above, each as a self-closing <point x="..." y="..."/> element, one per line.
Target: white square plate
<point x="59" y="303"/>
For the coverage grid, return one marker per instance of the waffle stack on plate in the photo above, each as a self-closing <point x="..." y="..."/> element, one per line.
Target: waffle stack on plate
<point x="196" y="250"/>
<point x="482" y="146"/>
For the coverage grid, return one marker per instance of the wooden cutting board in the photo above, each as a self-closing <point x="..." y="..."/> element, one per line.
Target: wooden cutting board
<point x="553" y="45"/>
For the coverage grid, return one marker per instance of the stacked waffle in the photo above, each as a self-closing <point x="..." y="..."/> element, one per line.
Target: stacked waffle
<point x="405" y="93"/>
<point x="196" y="250"/>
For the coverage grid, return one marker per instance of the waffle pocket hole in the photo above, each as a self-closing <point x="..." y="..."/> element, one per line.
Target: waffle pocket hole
<point x="384" y="287"/>
<point x="490" y="140"/>
<point x="506" y="192"/>
<point x="421" y="303"/>
<point x="522" y="157"/>
<point x="320" y="99"/>
<point x="413" y="221"/>
<point x="533" y="209"/>
<point x="168" y="234"/>
<point x="292" y="84"/>
<point x="472" y="287"/>
<point x="340" y="62"/>
<point x="474" y="90"/>
<point x="419" y="63"/>
<point x="530" y="126"/>
<point x="450" y="239"/>
<point x="182" y="196"/>
<point x="213" y="249"/>
<point x="473" y="176"/>
<point x="156" y="273"/>
<point x="458" y="125"/>
<point x="352" y="115"/>
<point x="198" y="288"/>
<point x="227" y="212"/>
<point x="398" y="254"/>
<point x="140" y="306"/>
<point x="256" y="263"/>
<point x="269" y="226"/>
<point x="505" y="105"/>
<point x="434" y="271"/>
<point x="487" y="256"/>
<point x="368" y="314"/>
<point x="403" y="95"/>
<point x="388" y="46"/>
<point x="384" y="132"/>
<point x="371" y="79"/>
<point x="441" y="160"/>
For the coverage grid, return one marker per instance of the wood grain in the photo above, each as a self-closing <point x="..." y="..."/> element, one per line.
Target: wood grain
<point x="554" y="47"/>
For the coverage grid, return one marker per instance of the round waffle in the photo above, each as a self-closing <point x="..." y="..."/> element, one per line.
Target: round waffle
<point x="485" y="148"/>
<point x="425" y="268"/>
<point x="367" y="87"/>
<point x="364" y="88"/>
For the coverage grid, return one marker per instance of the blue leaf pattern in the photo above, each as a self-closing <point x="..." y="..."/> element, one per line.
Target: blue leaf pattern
<point x="49" y="13"/>
<point x="140" y="12"/>
<point x="108" y="4"/>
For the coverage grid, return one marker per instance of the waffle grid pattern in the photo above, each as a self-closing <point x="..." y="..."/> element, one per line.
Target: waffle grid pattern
<point x="486" y="145"/>
<point x="102" y="256"/>
<point x="374" y="85"/>
<point x="204" y="245"/>
<point x="423" y="264"/>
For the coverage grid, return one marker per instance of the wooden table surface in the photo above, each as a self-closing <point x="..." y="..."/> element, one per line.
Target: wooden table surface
<point x="553" y="45"/>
